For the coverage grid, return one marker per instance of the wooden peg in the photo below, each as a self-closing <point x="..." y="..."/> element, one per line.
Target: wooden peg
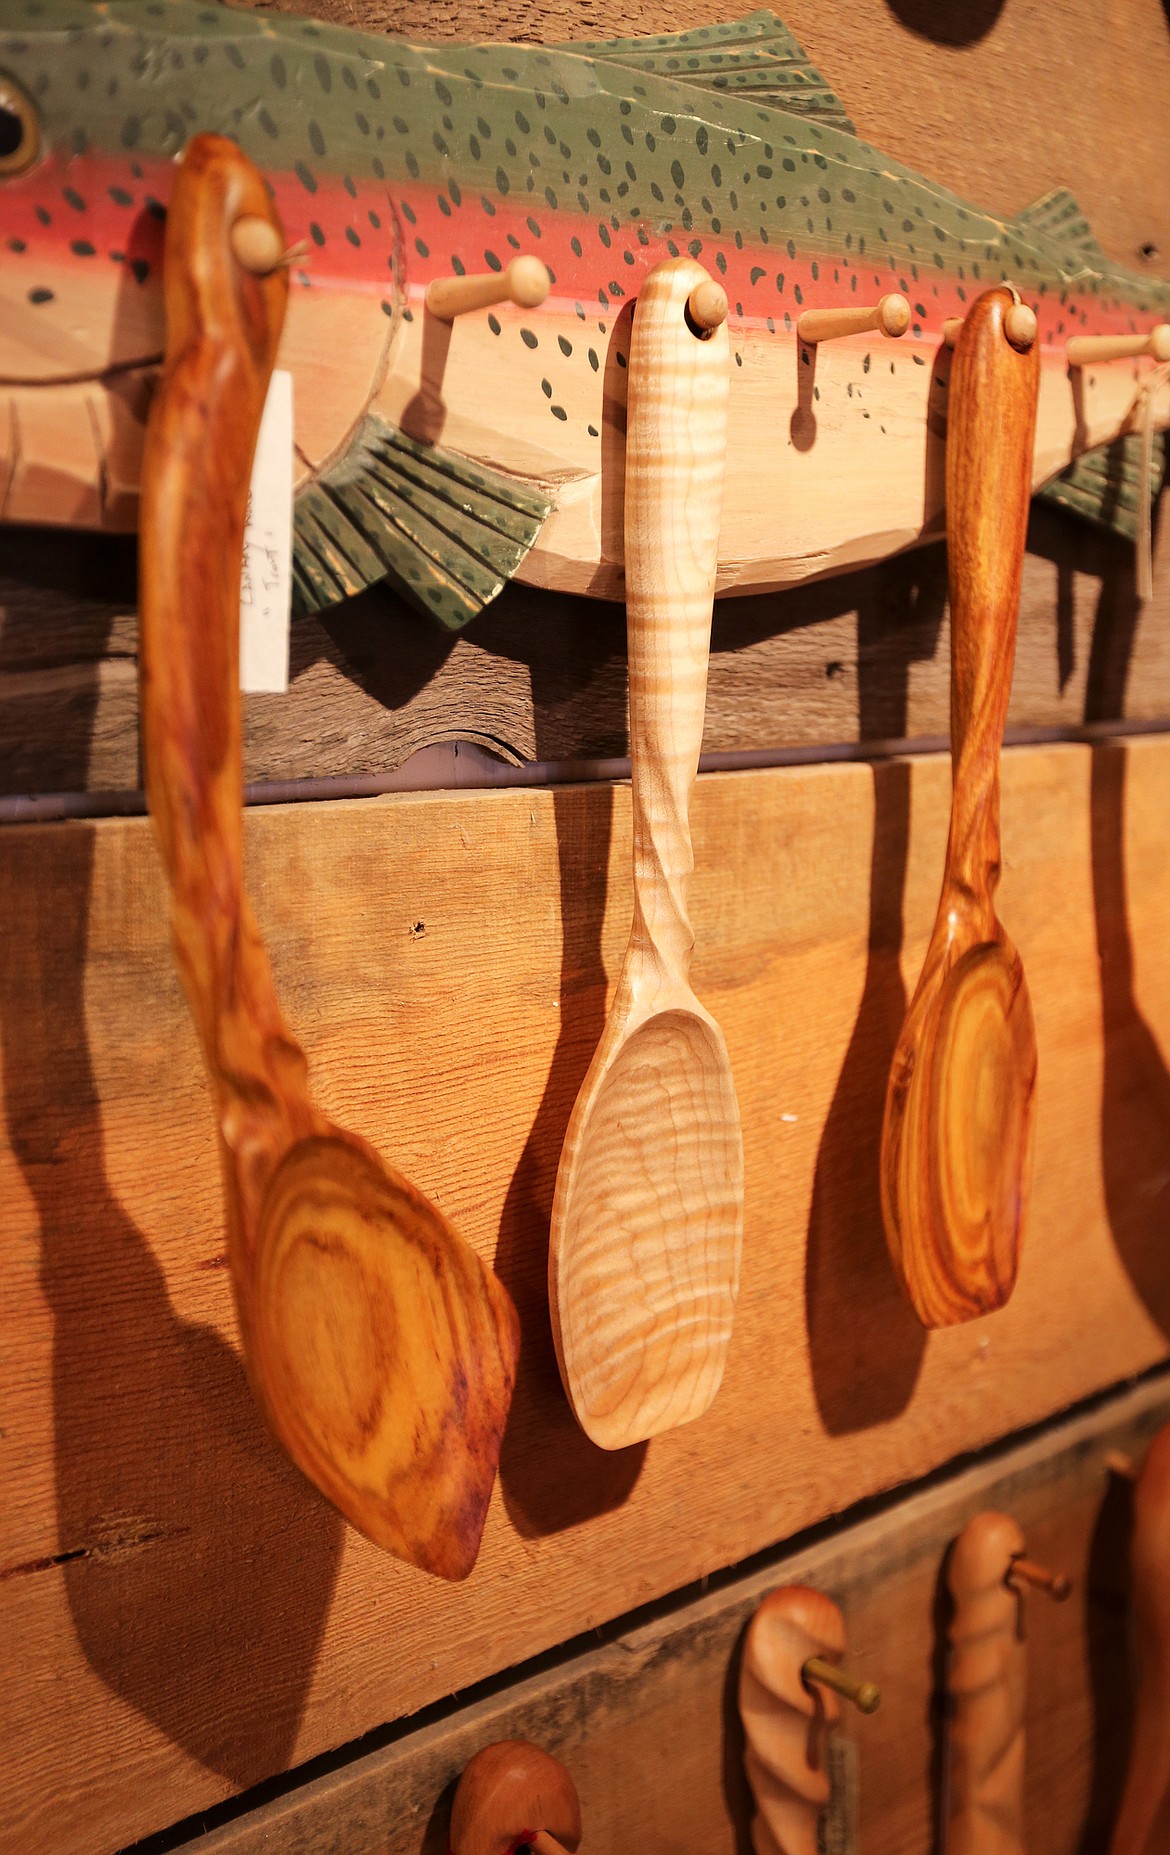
<point x="889" y="316"/>
<point x="525" y="282"/>
<point x="1143" y="1821"/>
<point x="796" y="1635"/>
<point x="986" y="1681"/>
<point x="1119" y="1463"/>
<point x="865" y="1695"/>
<point x="1057" y="1585"/>
<point x="1083" y="350"/>
<point x="512" y="1793"/>
<point x="257" y="244"/>
<point x="1019" y="325"/>
<point x="707" y="306"/>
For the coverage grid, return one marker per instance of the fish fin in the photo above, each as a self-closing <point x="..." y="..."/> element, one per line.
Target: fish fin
<point x="446" y="532"/>
<point x="756" y="55"/>
<point x="1102" y="486"/>
<point x="1057" y="215"/>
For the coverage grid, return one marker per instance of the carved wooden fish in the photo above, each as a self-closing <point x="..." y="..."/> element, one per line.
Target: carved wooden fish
<point x="450" y="457"/>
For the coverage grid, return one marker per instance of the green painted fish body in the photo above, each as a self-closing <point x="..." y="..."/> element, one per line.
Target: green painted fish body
<point x="454" y="456"/>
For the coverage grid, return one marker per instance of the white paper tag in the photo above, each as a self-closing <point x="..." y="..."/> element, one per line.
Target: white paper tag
<point x="266" y="580"/>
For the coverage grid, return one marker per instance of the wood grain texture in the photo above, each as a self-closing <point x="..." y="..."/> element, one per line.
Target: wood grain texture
<point x="647" y="1218"/>
<point x="668" y="1679"/>
<point x="513" y="1793"/>
<point x="786" y="1721"/>
<point x="1143" y="1821"/>
<point x="381" y="1350"/>
<point x="960" y="1112"/>
<point x="986" y="1689"/>
<point x="140" y="1485"/>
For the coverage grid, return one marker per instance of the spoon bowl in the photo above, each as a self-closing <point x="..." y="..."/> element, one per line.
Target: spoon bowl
<point x="655" y="1179"/>
<point x="963" y="1096"/>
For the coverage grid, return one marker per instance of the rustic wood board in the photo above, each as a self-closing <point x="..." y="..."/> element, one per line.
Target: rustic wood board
<point x="859" y="659"/>
<point x="182" y="1616"/>
<point x="646" y="1722"/>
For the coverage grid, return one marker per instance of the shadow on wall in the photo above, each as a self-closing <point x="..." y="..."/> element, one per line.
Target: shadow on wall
<point x="850" y="1285"/>
<point x="198" y="1565"/>
<point x="948" y="22"/>
<point x="1135" y="1094"/>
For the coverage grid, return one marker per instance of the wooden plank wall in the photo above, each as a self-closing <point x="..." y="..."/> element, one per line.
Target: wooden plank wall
<point x="181" y="1618"/>
<point x="647" y="1720"/>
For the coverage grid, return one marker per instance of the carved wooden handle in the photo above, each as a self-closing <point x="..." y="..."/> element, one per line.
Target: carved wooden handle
<point x="986" y="1682"/>
<point x="676" y="443"/>
<point x="513" y="1794"/>
<point x="786" y="1721"/>
<point x="991" y="426"/>
<point x="223" y="326"/>
<point x="1143" y="1821"/>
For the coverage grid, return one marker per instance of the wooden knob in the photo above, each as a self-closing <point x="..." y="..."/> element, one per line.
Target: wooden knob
<point x="1083" y="349"/>
<point x="258" y="244"/>
<point x="889" y="316"/>
<point x="525" y="282"/>
<point x="1019" y="325"/>
<point x="514" y="1793"/>
<point x="707" y="306"/>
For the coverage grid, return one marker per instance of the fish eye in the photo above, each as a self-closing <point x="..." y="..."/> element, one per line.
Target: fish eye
<point x="20" y="130"/>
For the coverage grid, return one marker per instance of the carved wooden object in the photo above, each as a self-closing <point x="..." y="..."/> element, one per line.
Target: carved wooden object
<point x="511" y="1796"/>
<point x="1084" y="350"/>
<point x="647" y="1218"/>
<point x="381" y="1349"/>
<point x="455" y="465"/>
<point x="986" y="1688"/>
<point x="889" y="316"/>
<point x="956" y="1143"/>
<point x="786" y="1717"/>
<point x="1143" y="1821"/>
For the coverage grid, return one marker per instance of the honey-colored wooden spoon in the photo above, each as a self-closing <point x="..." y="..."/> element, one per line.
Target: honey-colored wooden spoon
<point x="512" y="1796"/>
<point x="381" y="1349"/>
<point x="647" y="1218"/>
<point x="1143" y="1821"/>
<point x="957" y="1138"/>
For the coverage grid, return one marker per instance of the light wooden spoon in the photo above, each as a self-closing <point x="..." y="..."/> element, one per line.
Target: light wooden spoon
<point x="957" y="1138"/>
<point x="381" y="1349"/>
<point x="648" y="1213"/>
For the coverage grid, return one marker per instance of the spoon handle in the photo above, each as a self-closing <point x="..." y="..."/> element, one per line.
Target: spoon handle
<point x="676" y="442"/>
<point x="1143" y="1821"/>
<point x="223" y="326"/>
<point x="986" y="1692"/>
<point x="991" y="426"/>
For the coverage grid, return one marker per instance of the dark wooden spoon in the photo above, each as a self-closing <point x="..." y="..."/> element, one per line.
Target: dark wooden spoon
<point x="381" y="1349"/>
<point x="957" y="1139"/>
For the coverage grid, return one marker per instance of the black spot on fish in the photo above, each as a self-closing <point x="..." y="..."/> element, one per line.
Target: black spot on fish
<point x="315" y="233"/>
<point x="266" y="122"/>
<point x="140" y="268"/>
<point x="493" y="324"/>
<point x="307" y="180"/>
<point x="131" y="131"/>
<point x="528" y="338"/>
<point x="44" y="215"/>
<point x="546" y="388"/>
<point x="558" y="412"/>
<point x="82" y="248"/>
<point x="442" y="92"/>
<point x="492" y="261"/>
<point x="354" y="238"/>
<point x="39" y="296"/>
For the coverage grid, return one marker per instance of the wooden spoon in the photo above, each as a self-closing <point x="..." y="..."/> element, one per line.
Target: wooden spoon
<point x="648" y="1214"/>
<point x="1143" y="1821"/>
<point x="381" y="1349"/>
<point x="957" y="1139"/>
<point x="511" y="1796"/>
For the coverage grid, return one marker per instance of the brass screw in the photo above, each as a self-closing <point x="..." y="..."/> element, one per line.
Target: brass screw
<point x="1055" y="1583"/>
<point x="865" y="1695"/>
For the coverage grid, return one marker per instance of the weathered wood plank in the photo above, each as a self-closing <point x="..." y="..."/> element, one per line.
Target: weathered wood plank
<point x="646" y="1722"/>
<point x="182" y="1617"/>
<point x="862" y="658"/>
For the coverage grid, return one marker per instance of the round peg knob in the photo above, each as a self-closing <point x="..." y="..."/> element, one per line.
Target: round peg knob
<point x="513" y="1793"/>
<point x="1084" y="349"/>
<point x="258" y="244"/>
<point x="890" y="316"/>
<point x="707" y="306"/>
<point x="525" y="282"/>
<point x="1020" y="325"/>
